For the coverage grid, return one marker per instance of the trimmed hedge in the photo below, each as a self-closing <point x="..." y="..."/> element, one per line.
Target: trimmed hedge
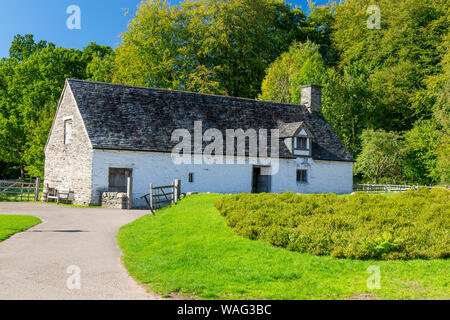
<point x="412" y="225"/>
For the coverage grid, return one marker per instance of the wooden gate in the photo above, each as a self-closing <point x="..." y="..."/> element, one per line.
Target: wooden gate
<point x="13" y="190"/>
<point x="162" y="196"/>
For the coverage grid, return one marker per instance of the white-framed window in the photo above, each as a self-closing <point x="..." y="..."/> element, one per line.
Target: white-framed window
<point x="301" y="143"/>
<point x="67" y="131"/>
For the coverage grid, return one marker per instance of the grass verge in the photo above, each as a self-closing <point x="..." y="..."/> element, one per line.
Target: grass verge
<point x="188" y="248"/>
<point x="11" y="224"/>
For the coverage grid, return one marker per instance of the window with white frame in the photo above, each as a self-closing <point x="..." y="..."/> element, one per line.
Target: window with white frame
<point x="301" y="143"/>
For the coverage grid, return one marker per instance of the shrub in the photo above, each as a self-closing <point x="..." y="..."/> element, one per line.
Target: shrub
<point x="412" y="225"/>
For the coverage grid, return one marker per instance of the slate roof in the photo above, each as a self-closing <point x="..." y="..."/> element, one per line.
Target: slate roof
<point x="289" y="129"/>
<point x="120" y="117"/>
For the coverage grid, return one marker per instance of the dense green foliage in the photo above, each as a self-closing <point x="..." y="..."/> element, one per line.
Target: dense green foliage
<point x="31" y="81"/>
<point x="207" y="46"/>
<point x="188" y="249"/>
<point x="392" y="81"/>
<point x="389" y="79"/>
<point x="362" y="226"/>
<point x="10" y="224"/>
<point x="382" y="156"/>
<point x="302" y="64"/>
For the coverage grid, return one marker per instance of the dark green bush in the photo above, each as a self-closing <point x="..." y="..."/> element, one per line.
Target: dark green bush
<point x="411" y="225"/>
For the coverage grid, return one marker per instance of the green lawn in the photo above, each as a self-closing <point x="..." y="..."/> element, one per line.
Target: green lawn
<point x="188" y="249"/>
<point x="11" y="224"/>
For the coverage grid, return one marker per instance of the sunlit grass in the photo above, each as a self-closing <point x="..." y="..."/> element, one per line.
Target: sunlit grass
<point x="11" y="224"/>
<point x="188" y="248"/>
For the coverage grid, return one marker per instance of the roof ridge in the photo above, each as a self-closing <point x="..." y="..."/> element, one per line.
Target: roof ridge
<point x="188" y="92"/>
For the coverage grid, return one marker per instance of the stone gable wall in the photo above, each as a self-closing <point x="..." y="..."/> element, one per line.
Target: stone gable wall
<point x="69" y="166"/>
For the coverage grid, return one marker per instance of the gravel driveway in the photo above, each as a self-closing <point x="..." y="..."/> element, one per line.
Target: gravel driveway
<point x="34" y="264"/>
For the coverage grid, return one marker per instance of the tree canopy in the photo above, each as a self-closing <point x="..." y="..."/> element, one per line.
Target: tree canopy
<point x="381" y="87"/>
<point x="389" y="79"/>
<point x="31" y="80"/>
<point x="207" y="46"/>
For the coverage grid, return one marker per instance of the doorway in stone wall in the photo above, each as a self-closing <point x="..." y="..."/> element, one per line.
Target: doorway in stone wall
<point x="261" y="179"/>
<point x="118" y="177"/>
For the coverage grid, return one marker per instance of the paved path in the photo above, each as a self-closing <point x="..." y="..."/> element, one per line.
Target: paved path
<point x="33" y="264"/>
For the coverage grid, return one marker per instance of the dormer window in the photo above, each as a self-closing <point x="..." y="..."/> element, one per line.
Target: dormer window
<point x="302" y="143"/>
<point x="297" y="138"/>
<point x="67" y="131"/>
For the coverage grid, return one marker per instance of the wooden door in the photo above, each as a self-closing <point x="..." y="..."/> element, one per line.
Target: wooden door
<point x="260" y="183"/>
<point x="118" y="178"/>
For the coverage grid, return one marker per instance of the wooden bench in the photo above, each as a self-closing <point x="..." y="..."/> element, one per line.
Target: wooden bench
<point x="60" y="195"/>
<point x="52" y="194"/>
<point x="65" y="195"/>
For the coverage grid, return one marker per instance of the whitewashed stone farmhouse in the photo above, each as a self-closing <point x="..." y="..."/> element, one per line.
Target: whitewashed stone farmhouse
<point x="103" y="133"/>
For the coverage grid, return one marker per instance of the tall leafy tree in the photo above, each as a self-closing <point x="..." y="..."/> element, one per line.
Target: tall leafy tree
<point x="381" y="157"/>
<point x="302" y="64"/>
<point x="397" y="57"/>
<point x="207" y="46"/>
<point x="31" y="80"/>
<point x="421" y="152"/>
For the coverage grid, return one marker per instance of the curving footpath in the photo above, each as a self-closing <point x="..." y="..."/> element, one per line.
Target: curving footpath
<point x="34" y="264"/>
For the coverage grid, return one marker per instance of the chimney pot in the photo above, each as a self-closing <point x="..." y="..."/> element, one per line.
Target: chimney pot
<point x="312" y="98"/>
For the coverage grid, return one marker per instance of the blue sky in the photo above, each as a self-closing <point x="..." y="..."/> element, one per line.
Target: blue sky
<point x="102" y="21"/>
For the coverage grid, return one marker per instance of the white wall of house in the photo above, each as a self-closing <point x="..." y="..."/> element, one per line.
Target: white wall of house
<point x="323" y="176"/>
<point x="159" y="169"/>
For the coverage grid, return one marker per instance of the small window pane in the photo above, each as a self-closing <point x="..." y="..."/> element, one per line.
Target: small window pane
<point x="191" y="177"/>
<point x="302" y="143"/>
<point x="67" y="131"/>
<point x="302" y="176"/>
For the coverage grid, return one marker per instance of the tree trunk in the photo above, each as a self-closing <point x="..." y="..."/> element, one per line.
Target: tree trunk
<point x="22" y="171"/>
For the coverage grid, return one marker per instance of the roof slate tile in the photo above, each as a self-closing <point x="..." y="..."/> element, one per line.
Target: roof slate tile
<point x="123" y="117"/>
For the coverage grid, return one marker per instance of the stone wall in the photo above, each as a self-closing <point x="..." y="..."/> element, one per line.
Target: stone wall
<point x="69" y="166"/>
<point x="115" y="200"/>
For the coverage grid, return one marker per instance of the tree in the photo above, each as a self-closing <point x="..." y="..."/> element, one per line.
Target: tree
<point x="24" y="46"/>
<point x="438" y="93"/>
<point x="397" y="57"/>
<point x="381" y="156"/>
<point x="320" y="29"/>
<point x="302" y="64"/>
<point x="101" y="68"/>
<point x="206" y="46"/>
<point x="345" y="98"/>
<point x="421" y="152"/>
<point x="31" y="81"/>
<point x="348" y="105"/>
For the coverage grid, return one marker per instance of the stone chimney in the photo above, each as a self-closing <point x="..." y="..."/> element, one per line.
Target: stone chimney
<point x="312" y="98"/>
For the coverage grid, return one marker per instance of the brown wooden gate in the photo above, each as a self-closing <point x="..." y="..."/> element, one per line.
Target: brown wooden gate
<point x="163" y="195"/>
<point x="20" y="190"/>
